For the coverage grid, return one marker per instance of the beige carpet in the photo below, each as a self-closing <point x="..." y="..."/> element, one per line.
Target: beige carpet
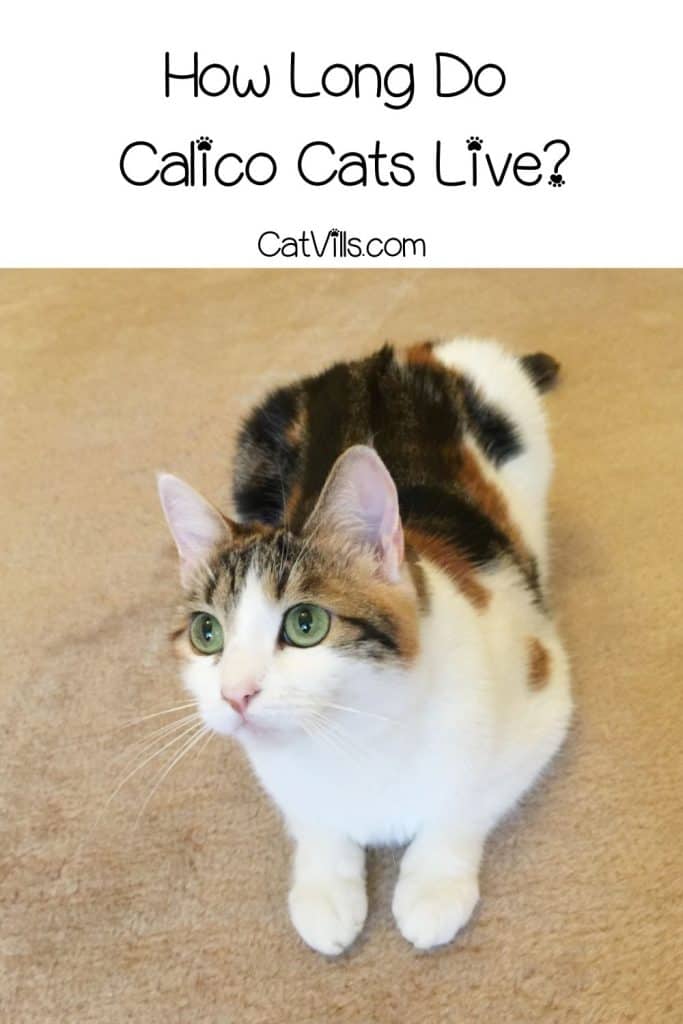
<point x="107" y="376"/>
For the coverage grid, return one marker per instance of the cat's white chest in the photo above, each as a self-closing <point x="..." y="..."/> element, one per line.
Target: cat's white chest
<point x="370" y="795"/>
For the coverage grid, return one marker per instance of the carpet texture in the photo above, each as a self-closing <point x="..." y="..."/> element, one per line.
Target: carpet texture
<point x="181" y="916"/>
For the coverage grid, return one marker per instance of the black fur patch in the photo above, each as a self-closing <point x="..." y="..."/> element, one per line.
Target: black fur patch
<point x="235" y="564"/>
<point x="542" y="369"/>
<point x="453" y="517"/>
<point x="495" y="433"/>
<point x="267" y="459"/>
<point x="372" y="636"/>
<point x="329" y="400"/>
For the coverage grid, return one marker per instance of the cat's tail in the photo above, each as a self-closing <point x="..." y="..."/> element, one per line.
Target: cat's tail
<point x="542" y="369"/>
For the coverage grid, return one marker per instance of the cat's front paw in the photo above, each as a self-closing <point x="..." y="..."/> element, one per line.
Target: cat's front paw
<point x="329" y="914"/>
<point x="429" y="911"/>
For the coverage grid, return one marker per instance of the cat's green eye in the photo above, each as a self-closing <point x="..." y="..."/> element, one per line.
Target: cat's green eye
<point x="206" y="634"/>
<point x="305" y="625"/>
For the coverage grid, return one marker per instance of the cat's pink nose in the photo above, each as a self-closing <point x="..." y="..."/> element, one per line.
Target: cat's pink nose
<point x="240" y="700"/>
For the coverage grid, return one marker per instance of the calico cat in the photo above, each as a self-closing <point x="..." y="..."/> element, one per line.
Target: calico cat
<point x="373" y="625"/>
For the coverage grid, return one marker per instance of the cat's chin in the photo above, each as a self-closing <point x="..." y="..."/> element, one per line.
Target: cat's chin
<point x="222" y="721"/>
<point x="226" y="723"/>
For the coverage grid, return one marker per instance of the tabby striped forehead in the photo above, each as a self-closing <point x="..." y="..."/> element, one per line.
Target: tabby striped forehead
<point x="370" y="618"/>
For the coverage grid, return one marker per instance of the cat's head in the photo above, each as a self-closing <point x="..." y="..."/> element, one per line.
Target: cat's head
<point x="277" y="629"/>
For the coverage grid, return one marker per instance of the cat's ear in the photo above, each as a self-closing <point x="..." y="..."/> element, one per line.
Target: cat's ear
<point x="359" y="502"/>
<point x="195" y="524"/>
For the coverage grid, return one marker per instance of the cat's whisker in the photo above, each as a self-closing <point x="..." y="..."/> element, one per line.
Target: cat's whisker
<point x="169" y="742"/>
<point x="156" y="714"/>
<point x="209" y="735"/>
<point x="319" y="732"/>
<point x="306" y="729"/>
<point x="304" y="703"/>
<point x="343" y="741"/>
<point x="313" y="711"/>
<point x="369" y="755"/>
<point x="361" y="752"/>
<point x="360" y="711"/>
<point x="144" y="742"/>
<point x="178" y="736"/>
<point x="129" y="775"/>
<point x="199" y="732"/>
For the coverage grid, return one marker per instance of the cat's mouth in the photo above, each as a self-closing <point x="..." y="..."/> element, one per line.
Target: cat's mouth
<point x="245" y="725"/>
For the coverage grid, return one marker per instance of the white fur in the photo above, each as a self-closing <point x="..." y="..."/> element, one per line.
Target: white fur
<point x="433" y="756"/>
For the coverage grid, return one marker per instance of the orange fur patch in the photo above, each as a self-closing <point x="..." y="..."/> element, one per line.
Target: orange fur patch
<point x="353" y="589"/>
<point x="490" y="499"/>
<point x="455" y="565"/>
<point x="293" y="500"/>
<point x="244" y="533"/>
<point x="420" y="354"/>
<point x="486" y="494"/>
<point x="417" y="575"/>
<point x="296" y="430"/>
<point x="539" y="664"/>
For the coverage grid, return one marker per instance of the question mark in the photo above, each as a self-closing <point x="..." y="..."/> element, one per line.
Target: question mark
<point x="555" y="179"/>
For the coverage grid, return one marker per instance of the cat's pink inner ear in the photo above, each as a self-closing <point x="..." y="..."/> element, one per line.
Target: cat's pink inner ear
<point x="360" y="500"/>
<point x="195" y="524"/>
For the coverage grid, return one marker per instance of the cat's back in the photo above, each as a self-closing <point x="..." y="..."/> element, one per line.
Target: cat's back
<point x="459" y="426"/>
<point x="409" y="411"/>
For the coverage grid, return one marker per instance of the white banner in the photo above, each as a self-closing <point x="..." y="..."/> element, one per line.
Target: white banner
<point x="374" y="134"/>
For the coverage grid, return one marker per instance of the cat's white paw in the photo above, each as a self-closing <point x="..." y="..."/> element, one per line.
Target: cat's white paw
<point x="328" y="915"/>
<point x="429" y="911"/>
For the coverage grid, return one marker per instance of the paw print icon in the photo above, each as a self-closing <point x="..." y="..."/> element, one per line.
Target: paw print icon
<point x="475" y="143"/>
<point x="556" y="181"/>
<point x="204" y="143"/>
